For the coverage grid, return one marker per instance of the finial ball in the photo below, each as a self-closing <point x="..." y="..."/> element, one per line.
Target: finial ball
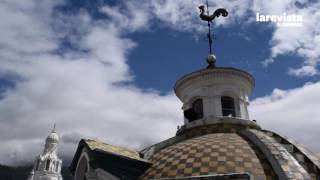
<point x="211" y="60"/>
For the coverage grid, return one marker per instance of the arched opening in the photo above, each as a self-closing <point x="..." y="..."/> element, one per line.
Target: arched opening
<point x="195" y="112"/>
<point x="47" y="164"/>
<point x="82" y="168"/>
<point x="197" y="105"/>
<point x="57" y="166"/>
<point x="227" y="105"/>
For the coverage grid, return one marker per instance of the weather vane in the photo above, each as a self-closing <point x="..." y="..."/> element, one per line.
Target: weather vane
<point x="209" y="18"/>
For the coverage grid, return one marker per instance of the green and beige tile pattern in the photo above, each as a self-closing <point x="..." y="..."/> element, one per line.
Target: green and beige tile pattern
<point x="219" y="153"/>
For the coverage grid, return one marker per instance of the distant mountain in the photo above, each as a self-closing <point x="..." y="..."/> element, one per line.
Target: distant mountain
<point x="22" y="173"/>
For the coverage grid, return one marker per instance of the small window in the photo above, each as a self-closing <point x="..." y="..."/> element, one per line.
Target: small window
<point x="197" y="105"/>
<point x="227" y="104"/>
<point x="47" y="164"/>
<point x="195" y="112"/>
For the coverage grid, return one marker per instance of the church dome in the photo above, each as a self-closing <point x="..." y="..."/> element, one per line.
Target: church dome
<point x="217" y="153"/>
<point x="229" y="147"/>
<point x="53" y="137"/>
<point x="219" y="140"/>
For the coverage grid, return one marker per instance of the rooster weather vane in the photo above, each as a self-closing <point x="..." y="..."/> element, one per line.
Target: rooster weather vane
<point x="209" y="18"/>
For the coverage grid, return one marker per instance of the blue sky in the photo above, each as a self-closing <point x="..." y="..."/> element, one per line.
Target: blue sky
<point x="163" y="49"/>
<point x="179" y="53"/>
<point x="106" y="69"/>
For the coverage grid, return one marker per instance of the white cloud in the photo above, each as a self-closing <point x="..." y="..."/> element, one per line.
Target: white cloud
<point x="76" y="88"/>
<point x="19" y="30"/>
<point x="293" y="113"/>
<point x="266" y="62"/>
<point x="183" y="15"/>
<point x="302" y="41"/>
<point x="303" y="71"/>
<point x="132" y="17"/>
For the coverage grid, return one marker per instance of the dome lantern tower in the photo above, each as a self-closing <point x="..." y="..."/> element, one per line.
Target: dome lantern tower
<point x="215" y="93"/>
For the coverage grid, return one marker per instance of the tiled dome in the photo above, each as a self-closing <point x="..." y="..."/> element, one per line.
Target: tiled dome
<point x="220" y="153"/>
<point x="229" y="146"/>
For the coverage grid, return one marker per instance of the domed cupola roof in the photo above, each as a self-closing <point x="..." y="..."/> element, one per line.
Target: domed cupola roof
<point x="51" y="145"/>
<point x="53" y="137"/>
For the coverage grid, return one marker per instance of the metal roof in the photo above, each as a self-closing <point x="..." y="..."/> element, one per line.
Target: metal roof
<point x="98" y="145"/>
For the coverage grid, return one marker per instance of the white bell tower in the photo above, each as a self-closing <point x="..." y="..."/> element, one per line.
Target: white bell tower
<point x="47" y="166"/>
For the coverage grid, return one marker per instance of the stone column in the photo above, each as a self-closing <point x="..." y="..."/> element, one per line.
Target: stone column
<point x="208" y="106"/>
<point x="217" y="106"/>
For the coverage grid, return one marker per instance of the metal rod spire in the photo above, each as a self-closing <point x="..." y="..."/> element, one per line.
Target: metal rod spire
<point x="209" y="18"/>
<point x="209" y="30"/>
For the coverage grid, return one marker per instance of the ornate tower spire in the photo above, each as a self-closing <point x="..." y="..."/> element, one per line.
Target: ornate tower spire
<point x="47" y="165"/>
<point x="54" y="127"/>
<point x="209" y="18"/>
